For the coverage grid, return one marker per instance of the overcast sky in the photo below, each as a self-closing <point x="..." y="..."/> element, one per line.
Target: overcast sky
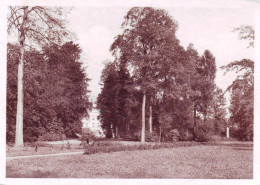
<point x="206" y="24"/>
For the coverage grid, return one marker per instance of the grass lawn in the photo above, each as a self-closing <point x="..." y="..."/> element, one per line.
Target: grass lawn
<point x="202" y="161"/>
<point x="52" y="149"/>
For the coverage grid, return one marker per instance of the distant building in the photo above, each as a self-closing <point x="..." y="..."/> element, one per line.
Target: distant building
<point x="93" y="123"/>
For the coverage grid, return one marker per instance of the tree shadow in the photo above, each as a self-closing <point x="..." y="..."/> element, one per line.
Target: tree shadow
<point x="14" y="173"/>
<point x="243" y="148"/>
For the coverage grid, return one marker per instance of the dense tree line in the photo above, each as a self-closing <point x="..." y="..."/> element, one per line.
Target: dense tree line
<point x="55" y="92"/>
<point x="173" y="86"/>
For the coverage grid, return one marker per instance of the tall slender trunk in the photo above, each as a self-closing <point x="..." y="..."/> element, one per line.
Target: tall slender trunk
<point x="113" y="132"/>
<point x="151" y="120"/>
<point x="205" y="116"/>
<point x="19" y="113"/>
<point x="116" y="131"/>
<point x="160" y="133"/>
<point x="143" y="119"/>
<point x="227" y="132"/>
<point x="194" y="116"/>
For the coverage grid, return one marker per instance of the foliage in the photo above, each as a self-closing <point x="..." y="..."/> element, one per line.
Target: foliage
<point x="186" y="135"/>
<point x="217" y="111"/>
<point x="41" y="25"/>
<point x="35" y="27"/>
<point x="106" y="100"/>
<point x="246" y="32"/>
<point x="117" y="102"/>
<point x="242" y="89"/>
<point x="172" y="135"/>
<point x="116" y="147"/>
<point x="149" y="35"/>
<point x="55" y="92"/>
<point x="202" y="133"/>
<point x="178" y="84"/>
<point x="242" y="95"/>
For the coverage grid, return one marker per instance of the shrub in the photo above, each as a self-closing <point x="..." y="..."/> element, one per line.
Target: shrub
<point x="172" y="135"/>
<point x="114" y="147"/>
<point x="201" y="134"/>
<point x="238" y="133"/>
<point x="186" y="135"/>
<point x="156" y="146"/>
<point x="249" y="133"/>
<point x="51" y="137"/>
<point x="136" y="136"/>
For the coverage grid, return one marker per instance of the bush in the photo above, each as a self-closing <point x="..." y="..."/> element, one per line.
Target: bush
<point x="249" y="133"/>
<point x="136" y="136"/>
<point x="91" y="149"/>
<point x="243" y="134"/>
<point x="186" y="135"/>
<point x="172" y="135"/>
<point x="51" y="137"/>
<point x="201" y="134"/>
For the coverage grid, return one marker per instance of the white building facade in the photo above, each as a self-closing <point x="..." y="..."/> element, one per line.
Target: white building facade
<point x="93" y="123"/>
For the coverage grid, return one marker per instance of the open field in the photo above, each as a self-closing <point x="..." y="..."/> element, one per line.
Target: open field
<point x="202" y="161"/>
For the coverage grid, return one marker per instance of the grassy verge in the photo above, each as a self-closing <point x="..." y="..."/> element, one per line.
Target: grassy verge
<point x="107" y="147"/>
<point x="43" y="148"/>
<point x="201" y="161"/>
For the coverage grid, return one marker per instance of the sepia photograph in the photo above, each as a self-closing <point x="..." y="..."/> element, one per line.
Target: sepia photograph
<point x="130" y="90"/>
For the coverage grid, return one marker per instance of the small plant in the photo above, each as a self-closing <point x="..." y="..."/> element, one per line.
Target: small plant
<point x="68" y="145"/>
<point x="156" y="146"/>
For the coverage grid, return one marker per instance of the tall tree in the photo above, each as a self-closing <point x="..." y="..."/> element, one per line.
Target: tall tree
<point x="106" y="101"/>
<point x="148" y="43"/>
<point x="242" y="88"/>
<point x="217" y="110"/>
<point x="55" y="92"/>
<point x="193" y="60"/>
<point x="37" y="24"/>
<point x="242" y="96"/>
<point x="207" y="72"/>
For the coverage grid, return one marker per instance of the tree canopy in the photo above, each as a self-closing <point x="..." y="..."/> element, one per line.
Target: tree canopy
<point x="177" y="83"/>
<point x="56" y="95"/>
<point x="35" y="27"/>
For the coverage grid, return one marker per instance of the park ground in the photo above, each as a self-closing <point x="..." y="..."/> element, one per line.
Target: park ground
<point x="210" y="161"/>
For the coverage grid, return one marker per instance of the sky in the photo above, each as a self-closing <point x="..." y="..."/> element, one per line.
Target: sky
<point x="206" y="24"/>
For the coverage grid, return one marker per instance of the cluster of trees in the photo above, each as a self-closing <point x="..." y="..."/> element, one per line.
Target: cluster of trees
<point x="47" y="92"/>
<point x="55" y="92"/>
<point x="153" y="82"/>
<point x="156" y="80"/>
<point x="242" y="90"/>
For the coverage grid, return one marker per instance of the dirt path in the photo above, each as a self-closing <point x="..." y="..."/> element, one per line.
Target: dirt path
<point x="43" y="155"/>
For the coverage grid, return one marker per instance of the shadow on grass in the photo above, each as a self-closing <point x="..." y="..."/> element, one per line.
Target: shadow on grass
<point x="240" y="145"/>
<point x="243" y="148"/>
<point x="140" y="174"/>
<point x="12" y="173"/>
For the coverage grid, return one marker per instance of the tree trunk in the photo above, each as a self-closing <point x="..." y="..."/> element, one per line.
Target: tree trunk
<point x="116" y="131"/>
<point x="205" y="116"/>
<point x="143" y="119"/>
<point x="19" y="113"/>
<point x="227" y="132"/>
<point x="160" y="133"/>
<point x="151" y="120"/>
<point x="194" y="116"/>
